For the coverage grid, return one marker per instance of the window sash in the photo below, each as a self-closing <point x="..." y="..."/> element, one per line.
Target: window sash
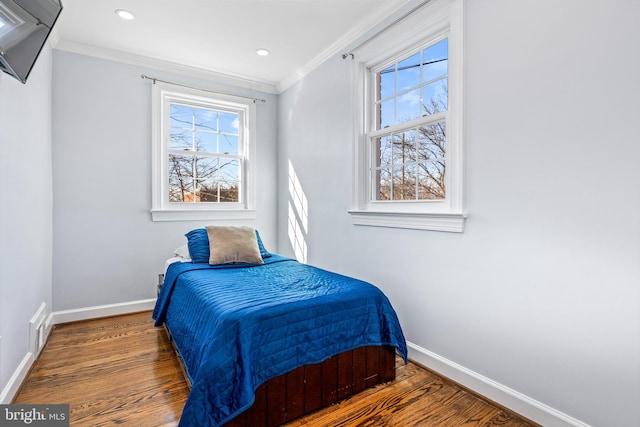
<point x="416" y="159"/>
<point x="215" y="180"/>
<point x="210" y="105"/>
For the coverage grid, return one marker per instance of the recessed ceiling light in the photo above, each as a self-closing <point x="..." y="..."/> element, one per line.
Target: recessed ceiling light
<point x="125" y="14"/>
<point x="262" y="52"/>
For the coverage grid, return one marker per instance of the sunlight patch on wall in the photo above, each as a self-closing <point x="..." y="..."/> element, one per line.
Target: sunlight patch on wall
<point x="298" y="217"/>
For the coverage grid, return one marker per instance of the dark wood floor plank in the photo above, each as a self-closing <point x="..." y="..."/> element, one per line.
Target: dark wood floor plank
<point x="110" y="371"/>
<point x="123" y="371"/>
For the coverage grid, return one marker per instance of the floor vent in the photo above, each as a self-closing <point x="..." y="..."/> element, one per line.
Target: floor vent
<point x="37" y="333"/>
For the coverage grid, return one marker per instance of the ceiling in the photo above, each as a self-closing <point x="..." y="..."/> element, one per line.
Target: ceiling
<point x="221" y="36"/>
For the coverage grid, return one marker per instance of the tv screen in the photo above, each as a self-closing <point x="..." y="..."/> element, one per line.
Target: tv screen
<point x="24" y="28"/>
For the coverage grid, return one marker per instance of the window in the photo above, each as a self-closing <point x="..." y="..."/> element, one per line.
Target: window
<point x="409" y="130"/>
<point x="408" y="136"/>
<point x="201" y="155"/>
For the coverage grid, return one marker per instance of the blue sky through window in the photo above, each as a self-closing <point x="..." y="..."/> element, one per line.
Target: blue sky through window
<point x="203" y="129"/>
<point x="414" y="86"/>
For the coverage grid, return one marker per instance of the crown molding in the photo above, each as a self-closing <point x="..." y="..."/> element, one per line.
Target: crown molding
<point x="161" y="64"/>
<point x="54" y="37"/>
<point x="383" y="15"/>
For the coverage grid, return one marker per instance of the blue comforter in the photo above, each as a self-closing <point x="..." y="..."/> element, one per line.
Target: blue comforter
<point x="239" y="326"/>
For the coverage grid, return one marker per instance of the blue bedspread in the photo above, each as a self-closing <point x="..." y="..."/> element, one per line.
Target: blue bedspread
<point x="239" y="326"/>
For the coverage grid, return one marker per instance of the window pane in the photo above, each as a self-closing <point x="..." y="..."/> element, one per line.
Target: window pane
<point x="435" y="97"/>
<point x="410" y="145"/>
<point x="221" y="182"/>
<point x="435" y="61"/>
<point x="409" y="182"/>
<point x="180" y="139"/>
<point x="383" y="184"/>
<point x="431" y="158"/>
<point x="404" y="146"/>
<point x="229" y="191"/>
<point x="399" y="183"/>
<point x="181" y="185"/>
<point x="432" y="142"/>
<point x="205" y="169"/>
<point x="209" y="191"/>
<point x="409" y="106"/>
<point x="206" y="141"/>
<point x="387" y="82"/>
<point x="383" y="159"/>
<point x="205" y="119"/>
<point x="387" y="113"/>
<point x="229" y="123"/>
<point x="229" y="170"/>
<point x="228" y="144"/>
<point x="206" y="177"/>
<point x="409" y="72"/>
<point x="229" y="180"/>
<point x="382" y="171"/>
<point x="431" y="183"/>
<point x="181" y="116"/>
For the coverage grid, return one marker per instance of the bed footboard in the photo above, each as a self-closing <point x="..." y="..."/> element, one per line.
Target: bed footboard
<point x="311" y="387"/>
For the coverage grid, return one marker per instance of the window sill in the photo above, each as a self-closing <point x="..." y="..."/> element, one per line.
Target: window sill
<point x="415" y="221"/>
<point x="201" y="215"/>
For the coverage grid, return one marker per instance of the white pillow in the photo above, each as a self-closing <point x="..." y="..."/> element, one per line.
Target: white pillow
<point x="182" y="252"/>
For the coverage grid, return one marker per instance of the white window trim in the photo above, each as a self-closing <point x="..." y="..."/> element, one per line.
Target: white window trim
<point x="161" y="209"/>
<point x="439" y="18"/>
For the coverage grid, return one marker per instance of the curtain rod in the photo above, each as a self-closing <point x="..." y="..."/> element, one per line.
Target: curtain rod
<point x="379" y="33"/>
<point x="154" y="80"/>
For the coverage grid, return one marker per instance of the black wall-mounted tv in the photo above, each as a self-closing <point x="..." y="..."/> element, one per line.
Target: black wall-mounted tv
<point x="24" y="28"/>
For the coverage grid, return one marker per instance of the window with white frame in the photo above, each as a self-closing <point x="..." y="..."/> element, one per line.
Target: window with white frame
<point x="408" y="135"/>
<point x="202" y="166"/>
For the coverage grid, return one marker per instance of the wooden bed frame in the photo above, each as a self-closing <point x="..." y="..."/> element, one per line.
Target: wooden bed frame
<point x="312" y="387"/>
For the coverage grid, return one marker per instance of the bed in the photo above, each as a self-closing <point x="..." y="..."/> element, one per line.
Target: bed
<point x="265" y="342"/>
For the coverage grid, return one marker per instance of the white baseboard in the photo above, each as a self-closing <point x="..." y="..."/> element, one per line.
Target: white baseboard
<point x="21" y="372"/>
<point x="16" y="379"/>
<point x="74" y="315"/>
<point x="501" y="394"/>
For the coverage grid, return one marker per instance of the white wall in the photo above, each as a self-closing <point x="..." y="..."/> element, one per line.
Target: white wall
<point x="541" y="293"/>
<point x="25" y="213"/>
<point x="106" y="248"/>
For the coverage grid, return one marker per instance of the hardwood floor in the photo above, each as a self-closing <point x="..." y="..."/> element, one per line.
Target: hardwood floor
<point x="117" y="370"/>
<point x="123" y="371"/>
